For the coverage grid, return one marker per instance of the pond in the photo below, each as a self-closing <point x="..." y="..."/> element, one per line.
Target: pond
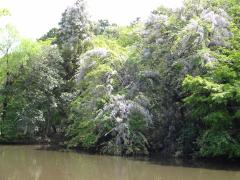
<point x="31" y="163"/>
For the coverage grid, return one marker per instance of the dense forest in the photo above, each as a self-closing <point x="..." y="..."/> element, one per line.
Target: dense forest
<point x="168" y="85"/>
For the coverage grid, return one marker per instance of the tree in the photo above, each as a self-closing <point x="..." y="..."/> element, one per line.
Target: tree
<point x="213" y="98"/>
<point x="101" y="26"/>
<point x="50" y="35"/>
<point x="4" y="12"/>
<point x="8" y="41"/>
<point x="15" y="93"/>
<point x="73" y="36"/>
<point x="41" y="83"/>
<point x="104" y="117"/>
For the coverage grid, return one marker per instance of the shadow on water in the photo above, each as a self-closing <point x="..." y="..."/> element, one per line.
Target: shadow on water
<point x="214" y="164"/>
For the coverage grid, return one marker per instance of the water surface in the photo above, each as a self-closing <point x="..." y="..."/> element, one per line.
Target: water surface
<point x="30" y="163"/>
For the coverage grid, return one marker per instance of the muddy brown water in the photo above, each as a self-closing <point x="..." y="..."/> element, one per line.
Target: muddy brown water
<point x="30" y="163"/>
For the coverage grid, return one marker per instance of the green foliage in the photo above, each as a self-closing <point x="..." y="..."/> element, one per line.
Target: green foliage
<point x="171" y="85"/>
<point x="4" y="12"/>
<point x="214" y="100"/>
<point x="50" y="35"/>
<point x="19" y="98"/>
<point x="217" y="144"/>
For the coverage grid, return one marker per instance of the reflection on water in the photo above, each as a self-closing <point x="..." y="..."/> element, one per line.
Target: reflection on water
<point x="27" y="163"/>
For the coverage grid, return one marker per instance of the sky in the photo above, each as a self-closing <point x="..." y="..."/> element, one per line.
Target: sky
<point x="33" y="18"/>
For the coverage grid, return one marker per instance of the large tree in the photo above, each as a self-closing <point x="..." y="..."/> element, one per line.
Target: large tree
<point x="73" y="36"/>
